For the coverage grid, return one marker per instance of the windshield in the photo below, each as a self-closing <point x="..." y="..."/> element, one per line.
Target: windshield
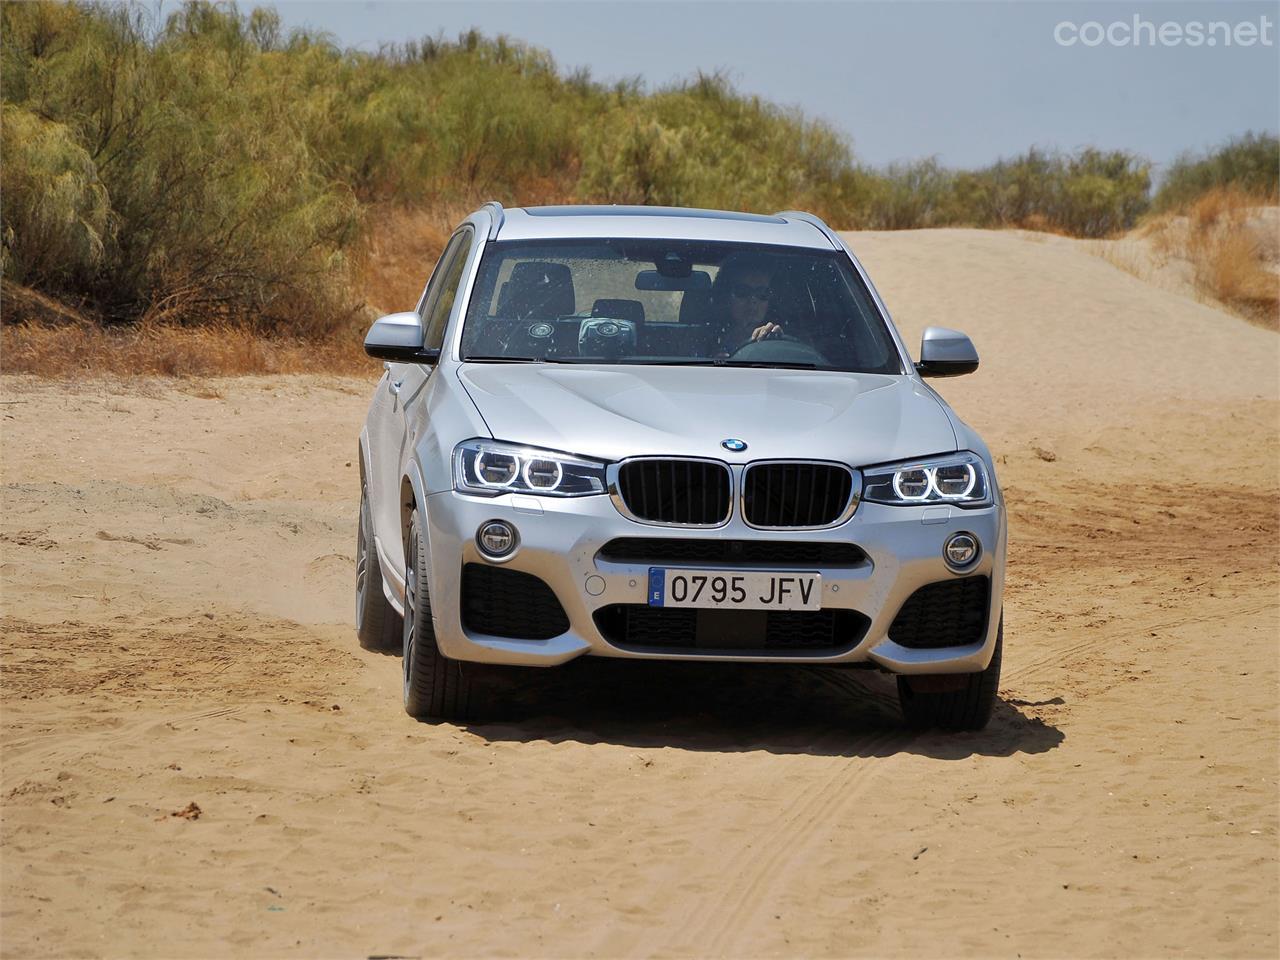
<point x="674" y="302"/>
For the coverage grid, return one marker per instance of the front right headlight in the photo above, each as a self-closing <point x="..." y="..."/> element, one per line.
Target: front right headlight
<point x="493" y="467"/>
<point x="959" y="478"/>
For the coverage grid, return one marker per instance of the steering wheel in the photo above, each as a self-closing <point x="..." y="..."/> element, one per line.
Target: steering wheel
<point x="779" y="348"/>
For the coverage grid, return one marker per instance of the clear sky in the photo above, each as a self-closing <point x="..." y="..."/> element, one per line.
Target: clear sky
<point x="967" y="81"/>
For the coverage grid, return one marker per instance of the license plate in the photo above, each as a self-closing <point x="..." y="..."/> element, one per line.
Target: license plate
<point x="734" y="589"/>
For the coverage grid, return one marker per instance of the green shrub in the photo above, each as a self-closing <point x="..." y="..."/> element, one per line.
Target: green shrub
<point x="1250" y="163"/>
<point x="700" y="143"/>
<point x="220" y="210"/>
<point x="55" y="208"/>
<point x="211" y="167"/>
<point x="910" y="195"/>
<point x="637" y="160"/>
<point x="1087" y="194"/>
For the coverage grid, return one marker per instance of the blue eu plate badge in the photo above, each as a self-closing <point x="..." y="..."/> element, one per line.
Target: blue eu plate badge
<point x="657" y="586"/>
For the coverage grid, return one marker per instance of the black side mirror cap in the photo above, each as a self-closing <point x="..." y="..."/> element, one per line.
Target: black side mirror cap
<point x="943" y="368"/>
<point x="398" y="337"/>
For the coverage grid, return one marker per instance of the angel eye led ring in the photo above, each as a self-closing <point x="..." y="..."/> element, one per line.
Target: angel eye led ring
<point x="906" y="489"/>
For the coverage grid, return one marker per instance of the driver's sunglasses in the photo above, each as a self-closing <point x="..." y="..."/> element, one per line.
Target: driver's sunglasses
<point x="744" y="290"/>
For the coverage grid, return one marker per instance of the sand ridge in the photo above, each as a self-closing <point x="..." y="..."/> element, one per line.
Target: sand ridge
<point x="176" y="575"/>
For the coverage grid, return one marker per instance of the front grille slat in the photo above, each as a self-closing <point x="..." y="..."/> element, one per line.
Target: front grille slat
<point x="676" y="491"/>
<point x="795" y="495"/>
<point x="673" y="551"/>
<point x="814" y="502"/>
<point x="783" y="502"/>
<point x="643" y="476"/>
<point x="768" y="485"/>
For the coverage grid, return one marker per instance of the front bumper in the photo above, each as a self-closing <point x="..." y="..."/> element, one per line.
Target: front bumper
<point x="560" y="538"/>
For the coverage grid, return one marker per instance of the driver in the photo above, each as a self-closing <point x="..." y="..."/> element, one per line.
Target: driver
<point x="740" y="299"/>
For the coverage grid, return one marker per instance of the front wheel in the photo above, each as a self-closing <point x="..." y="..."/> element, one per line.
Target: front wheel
<point x="435" y="686"/>
<point x="377" y="623"/>
<point x="968" y="707"/>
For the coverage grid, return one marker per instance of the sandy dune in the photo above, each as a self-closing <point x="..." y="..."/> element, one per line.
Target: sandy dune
<point x="1157" y="252"/>
<point x="176" y="575"/>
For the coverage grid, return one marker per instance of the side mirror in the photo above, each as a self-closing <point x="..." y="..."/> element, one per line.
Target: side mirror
<point x="398" y="337"/>
<point x="946" y="353"/>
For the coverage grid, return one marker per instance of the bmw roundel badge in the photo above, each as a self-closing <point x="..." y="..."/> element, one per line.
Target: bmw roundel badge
<point x="734" y="444"/>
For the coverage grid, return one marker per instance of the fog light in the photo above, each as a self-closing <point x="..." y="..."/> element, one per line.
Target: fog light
<point x="497" y="539"/>
<point x="960" y="550"/>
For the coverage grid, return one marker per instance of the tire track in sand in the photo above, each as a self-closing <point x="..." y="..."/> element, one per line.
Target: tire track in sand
<point x="716" y="925"/>
<point x="52" y="748"/>
<point x="1060" y="656"/>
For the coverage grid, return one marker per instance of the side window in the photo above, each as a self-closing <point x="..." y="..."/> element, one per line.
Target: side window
<point x="440" y="298"/>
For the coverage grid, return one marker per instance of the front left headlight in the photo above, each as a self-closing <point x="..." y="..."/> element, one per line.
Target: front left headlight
<point x="493" y="467"/>
<point x="959" y="478"/>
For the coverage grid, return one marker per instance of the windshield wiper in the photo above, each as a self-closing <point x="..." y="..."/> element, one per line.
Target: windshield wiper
<point x="649" y="362"/>
<point x="505" y="359"/>
<point x="773" y="365"/>
<point x="726" y="362"/>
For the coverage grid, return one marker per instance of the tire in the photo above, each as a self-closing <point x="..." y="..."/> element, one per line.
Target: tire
<point x="378" y="626"/>
<point x="967" y="708"/>
<point x="435" y="687"/>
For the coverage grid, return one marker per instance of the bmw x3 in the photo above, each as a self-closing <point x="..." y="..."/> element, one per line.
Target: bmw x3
<point x="641" y="432"/>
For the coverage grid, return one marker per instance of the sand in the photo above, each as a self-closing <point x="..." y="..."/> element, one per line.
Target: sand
<point x="198" y="760"/>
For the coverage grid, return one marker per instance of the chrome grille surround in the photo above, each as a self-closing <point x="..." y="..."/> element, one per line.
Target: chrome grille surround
<point x="617" y="479"/>
<point x="841" y="516"/>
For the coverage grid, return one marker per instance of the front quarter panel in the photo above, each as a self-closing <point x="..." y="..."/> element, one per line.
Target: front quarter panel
<point x="448" y="417"/>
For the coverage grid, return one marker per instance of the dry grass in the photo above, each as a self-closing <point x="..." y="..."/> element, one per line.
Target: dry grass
<point x="1124" y="255"/>
<point x="79" y="349"/>
<point x="44" y="337"/>
<point x="1232" y="255"/>
<point x="1233" y="249"/>
<point x="400" y="247"/>
<point x="402" y="244"/>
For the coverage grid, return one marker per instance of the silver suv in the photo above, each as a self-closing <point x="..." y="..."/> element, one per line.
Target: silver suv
<point x="679" y="434"/>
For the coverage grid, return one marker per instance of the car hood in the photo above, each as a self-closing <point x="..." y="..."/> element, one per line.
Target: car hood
<point x="615" y="412"/>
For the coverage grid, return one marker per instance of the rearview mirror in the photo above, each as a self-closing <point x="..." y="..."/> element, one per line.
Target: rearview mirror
<point x="653" y="280"/>
<point x="946" y="353"/>
<point x="398" y="337"/>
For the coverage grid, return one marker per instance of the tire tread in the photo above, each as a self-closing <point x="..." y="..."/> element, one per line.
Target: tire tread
<point x="439" y="688"/>
<point x="380" y="627"/>
<point x="968" y="708"/>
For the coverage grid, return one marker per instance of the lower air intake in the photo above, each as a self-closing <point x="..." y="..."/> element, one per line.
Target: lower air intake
<point x="645" y="629"/>
<point x="508" y="603"/>
<point x="950" y="613"/>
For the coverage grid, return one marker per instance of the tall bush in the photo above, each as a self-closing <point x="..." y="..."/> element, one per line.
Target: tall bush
<point x="1090" y="193"/>
<point x="219" y="210"/>
<point x="55" y="207"/>
<point x="1250" y="163"/>
<point x="213" y="167"/>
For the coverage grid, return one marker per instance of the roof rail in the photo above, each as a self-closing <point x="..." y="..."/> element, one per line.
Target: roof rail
<point x="496" y="216"/>
<point x="813" y="221"/>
